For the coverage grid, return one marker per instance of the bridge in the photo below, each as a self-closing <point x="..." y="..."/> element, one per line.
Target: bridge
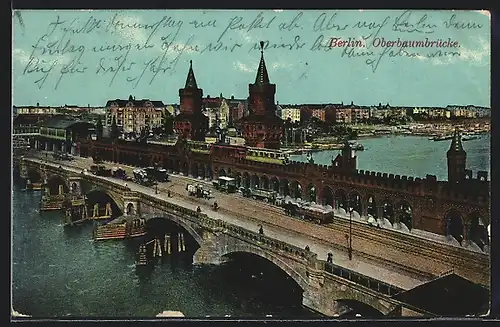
<point x="367" y="279"/>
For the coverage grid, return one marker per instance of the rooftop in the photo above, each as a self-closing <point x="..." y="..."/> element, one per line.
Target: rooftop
<point x="450" y="295"/>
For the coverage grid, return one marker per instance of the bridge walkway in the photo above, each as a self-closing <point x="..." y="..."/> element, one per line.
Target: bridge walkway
<point x="250" y="218"/>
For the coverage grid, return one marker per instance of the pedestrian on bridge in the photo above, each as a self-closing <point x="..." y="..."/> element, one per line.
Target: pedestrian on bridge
<point x="307" y="248"/>
<point x="330" y="258"/>
<point x="198" y="209"/>
<point x="261" y="230"/>
<point x="168" y="193"/>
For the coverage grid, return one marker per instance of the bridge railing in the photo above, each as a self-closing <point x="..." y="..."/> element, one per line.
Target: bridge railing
<point x="361" y="279"/>
<point x="229" y="228"/>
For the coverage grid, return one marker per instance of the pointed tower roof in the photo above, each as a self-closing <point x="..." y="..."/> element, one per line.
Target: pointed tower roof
<point x="456" y="142"/>
<point x="191" y="80"/>
<point x="262" y="76"/>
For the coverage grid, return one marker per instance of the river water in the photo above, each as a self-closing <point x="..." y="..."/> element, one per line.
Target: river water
<point x="62" y="273"/>
<point x="414" y="156"/>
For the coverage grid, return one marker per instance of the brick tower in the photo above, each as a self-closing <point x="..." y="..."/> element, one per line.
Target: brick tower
<point x="262" y="128"/>
<point x="456" y="159"/>
<point x="191" y="123"/>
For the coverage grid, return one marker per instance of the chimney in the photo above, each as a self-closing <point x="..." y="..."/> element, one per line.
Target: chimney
<point x="232" y="97"/>
<point x="38" y="104"/>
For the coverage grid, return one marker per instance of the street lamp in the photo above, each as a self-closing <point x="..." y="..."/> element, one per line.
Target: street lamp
<point x="156" y="188"/>
<point x="349" y="237"/>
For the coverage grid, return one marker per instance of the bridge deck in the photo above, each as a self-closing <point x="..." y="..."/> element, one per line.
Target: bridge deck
<point x="249" y="217"/>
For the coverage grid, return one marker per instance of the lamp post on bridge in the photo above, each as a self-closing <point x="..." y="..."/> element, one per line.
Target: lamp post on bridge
<point x="349" y="236"/>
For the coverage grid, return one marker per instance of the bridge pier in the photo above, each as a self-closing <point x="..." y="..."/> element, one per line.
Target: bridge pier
<point x="209" y="252"/>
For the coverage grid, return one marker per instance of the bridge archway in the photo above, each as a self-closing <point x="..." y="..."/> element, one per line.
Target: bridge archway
<point x="478" y="232"/>
<point x="371" y="206"/>
<point x="255" y="181"/>
<point x="296" y="190"/>
<point x="272" y="258"/>
<point x="246" y="180"/>
<point x="311" y="193"/>
<point x="275" y="185"/>
<point x="102" y="198"/>
<point x="355" y="202"/>
<point x="341" y="199"/>
<point x="237" y="178"/>
<point x="54" y="183"/>
<point x="177" y="221"/>
<point x="185" y="168"/>
<point x="285" y="187"/>
<point x="264" y="182"/>
<point x="405" y="214"/>
<point x="454" y="225"/>
<point x="34" y="176"/>
<point x="222" y="172"/>
<point x="328" y="196"/>
<point x="388" y="210"/>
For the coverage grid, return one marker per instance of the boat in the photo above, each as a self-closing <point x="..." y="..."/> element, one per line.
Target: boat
<point x="443" y="138"/>
<point x="34" y="186"/>
<point x="469" y="137"/>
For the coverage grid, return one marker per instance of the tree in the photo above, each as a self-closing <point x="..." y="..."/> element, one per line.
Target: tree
<point x="99" y="129"/>
<point x="115" y="132"/>
<point x="168" y="123"/>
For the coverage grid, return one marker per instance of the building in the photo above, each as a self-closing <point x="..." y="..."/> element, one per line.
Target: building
<point x="132" y="116"/>
<point x="319" y="113"/>
<point x="290" y="112"/>
<point x="237" y="109"/>
<point x="262" y="128"/>
<point x="36" y="110"/>
<point x="60" y="134"/>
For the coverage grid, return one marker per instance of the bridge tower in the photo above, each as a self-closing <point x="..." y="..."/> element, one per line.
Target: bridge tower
<point x="457" y="158"/>
<point x="262" y="128"/>
<point x="191" y="123"/>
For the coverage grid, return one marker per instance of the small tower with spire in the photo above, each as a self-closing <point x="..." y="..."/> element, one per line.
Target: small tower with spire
<point x="191" y="123"/>
<point x="456" y="159"/>
<point x="262" y="128"/>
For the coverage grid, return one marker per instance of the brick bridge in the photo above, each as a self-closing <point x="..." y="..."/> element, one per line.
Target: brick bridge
<point x="326" y="287"/>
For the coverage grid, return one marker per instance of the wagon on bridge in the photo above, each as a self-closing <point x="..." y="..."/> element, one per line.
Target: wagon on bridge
<point x="100" y="170"/>
<point x="260" y="194"/>
<point x="315" y="213"/>
<point x="225" y="184"/>
<point x="198" y="191"/>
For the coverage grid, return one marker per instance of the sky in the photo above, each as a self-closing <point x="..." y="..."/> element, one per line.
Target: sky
<point x="88" y="57"/>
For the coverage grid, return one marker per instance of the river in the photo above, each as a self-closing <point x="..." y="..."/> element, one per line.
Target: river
<point x="62" y="273"/>
<point x="414" y="156"/>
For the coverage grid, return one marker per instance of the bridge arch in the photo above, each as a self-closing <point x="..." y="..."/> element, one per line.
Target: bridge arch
<point x="275" y="184"/>
<point x="371" y="206"/>
<point x="388" y="210"/>
<point x="94" y="193"/>
<point x="355" y="203"/>
<point x="53" y="183"/>
<point x="405" y="214"/>
<point x="33" y="175"/>
<point x="178" y="221"/>
<point x="285" y="187"/>
<point x="254" y="181"/>
<point x="454" y="225"/>
<point x="341" y="199"/>
<point x="264" y="182"/>
<point x="194" y="169"/>
<point x="312" y="192"/>
<point x="328" y="196"/>
<point x="271" y="257"/>
<point x="477" y="231"/>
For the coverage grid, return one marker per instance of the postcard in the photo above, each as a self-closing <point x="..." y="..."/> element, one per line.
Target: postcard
<point x="271" y="164"/>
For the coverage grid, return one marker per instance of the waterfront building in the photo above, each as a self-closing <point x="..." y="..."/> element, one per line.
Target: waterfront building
<point x="290" y="112"/>
<point x="36" y="110"/>
<point x="60" y="134"/>
<point x="319" y="113"/>
<point x="132" y="116"/>
<point x="237" y="109"/>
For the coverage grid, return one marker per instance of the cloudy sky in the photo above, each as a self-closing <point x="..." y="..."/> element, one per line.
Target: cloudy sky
<point x="58" y="56"/>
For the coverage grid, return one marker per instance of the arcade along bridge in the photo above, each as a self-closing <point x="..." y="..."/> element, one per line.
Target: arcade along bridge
<point x="369" y="278"/>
